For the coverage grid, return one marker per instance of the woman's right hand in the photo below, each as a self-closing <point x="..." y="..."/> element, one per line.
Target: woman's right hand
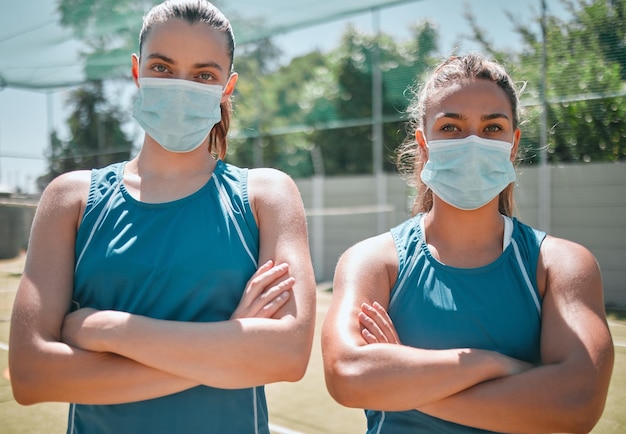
<point x="266" y="292"/>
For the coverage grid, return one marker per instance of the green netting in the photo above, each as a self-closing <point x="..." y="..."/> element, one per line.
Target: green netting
<point x="38" y="51"/>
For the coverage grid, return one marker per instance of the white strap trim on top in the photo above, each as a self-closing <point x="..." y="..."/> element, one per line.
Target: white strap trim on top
<point x="94" y="228"/>
<point x="508" y="232"/>
<point x="410" y="266"/>
<point x="229" y="208"/>
<point x="382" y="421"/>
<point x="529" y="285"/>
<point x="71" y="426"/>
<point x="256" y="417"/>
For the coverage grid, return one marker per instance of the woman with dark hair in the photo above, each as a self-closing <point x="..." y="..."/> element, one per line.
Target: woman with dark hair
<point x="463" y="319"/>
<point x="161" y="294"/>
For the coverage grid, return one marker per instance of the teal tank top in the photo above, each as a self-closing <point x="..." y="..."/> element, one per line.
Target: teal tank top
<point x="434" y="306"/>
<point x="185" y="260"/>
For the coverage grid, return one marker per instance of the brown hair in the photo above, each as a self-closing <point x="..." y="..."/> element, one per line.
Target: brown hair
<point x="453" y="70"/>
<point x="197" y="11"/>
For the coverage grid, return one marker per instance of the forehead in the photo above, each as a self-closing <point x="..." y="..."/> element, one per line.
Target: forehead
<point x="467" y="97"/>
<point x="185" y="42"/>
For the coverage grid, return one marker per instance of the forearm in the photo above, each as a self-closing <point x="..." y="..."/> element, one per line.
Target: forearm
<point x="227" y="354"/>
<point x="396" y="377"/>
<point x="551" y="398"/>
<point x="57" y="372"/>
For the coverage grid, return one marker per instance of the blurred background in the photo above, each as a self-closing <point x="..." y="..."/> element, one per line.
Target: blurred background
<point x="322" y="93"/>
<point x="316" y="77"/>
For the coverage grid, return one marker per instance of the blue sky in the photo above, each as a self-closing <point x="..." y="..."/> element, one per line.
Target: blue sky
<point x="27" y="116"/>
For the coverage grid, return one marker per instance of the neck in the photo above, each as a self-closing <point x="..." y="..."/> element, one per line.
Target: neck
<point x="154" y="161"/>
<point x="464" y="238"/>
<point x="157" y="175"/>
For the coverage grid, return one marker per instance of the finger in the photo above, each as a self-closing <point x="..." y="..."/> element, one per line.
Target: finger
<point x="387" y="322"/>
<point x="266" y="300"/>
<point x="371" y="327"/>
<point x="274" y="305"/>
<point x="267" y="274"/>
<point x="265" y="277"/>
<point x="368" y="337"/>
<point x="379" y="316"/>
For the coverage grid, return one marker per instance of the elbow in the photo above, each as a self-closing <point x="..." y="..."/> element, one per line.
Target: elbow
<point x="583" y="414"/>
<point x="295" y="355"/>
<point x="582" y="409"/>
<point x="24" y="389"/>
<point x="291" y="368"/>
<point x="294" y="364"/>
<point x="343" y="381"/>
<point x="579" y="422"/>
<point x="27" y="379"/>
<point x="585" y="404"/>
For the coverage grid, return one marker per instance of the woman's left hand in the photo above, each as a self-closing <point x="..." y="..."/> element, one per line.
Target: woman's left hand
<point x="266" y="292"/>
<point x="376" y="325"/>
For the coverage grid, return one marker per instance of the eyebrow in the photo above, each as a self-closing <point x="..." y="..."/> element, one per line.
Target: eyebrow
<point x="494" y="116"/>
<point x="456" y="116"/>
<point x="460" y="117"/>
<point x="195" y="66"/>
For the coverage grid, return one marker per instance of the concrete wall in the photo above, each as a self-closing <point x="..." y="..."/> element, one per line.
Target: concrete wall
<point x="16" y="218"/>
<point x="587" y="205"/>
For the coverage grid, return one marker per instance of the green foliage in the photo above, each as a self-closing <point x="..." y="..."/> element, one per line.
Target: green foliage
<point x="314" y="114"/>
<point x="97" y="138"/>
<point x="110" y="28"/>
<point x="586" y="93"/>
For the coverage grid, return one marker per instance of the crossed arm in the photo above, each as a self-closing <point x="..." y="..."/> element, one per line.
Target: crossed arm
<point x="101" y="357"/>
<point x="368" y="367"/>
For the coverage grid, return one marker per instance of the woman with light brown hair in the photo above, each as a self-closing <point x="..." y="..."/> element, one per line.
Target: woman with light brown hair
<point x="462" y="318"/>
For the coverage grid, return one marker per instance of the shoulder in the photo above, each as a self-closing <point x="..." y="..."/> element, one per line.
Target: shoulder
<point x="264" y="177"/>
<point x="273" y="188"/>
<point x="562" y="253"/>
<point x="373" y="258"/>
<point x="568" y="266"/>
<point x="63" y="200"/>
<point x="68" y="188"/>
<point x="371" y="248"/>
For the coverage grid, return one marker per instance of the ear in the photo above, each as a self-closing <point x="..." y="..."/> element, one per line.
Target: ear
<point x="230" y="86"/>
<point x="516" y="137"/>
<point x="135" y="68"/>
<point x="422" y="148"/>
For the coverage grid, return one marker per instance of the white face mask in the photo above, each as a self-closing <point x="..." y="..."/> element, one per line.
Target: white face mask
<point x="468" y="173"/>
<point x="177" y="114"/>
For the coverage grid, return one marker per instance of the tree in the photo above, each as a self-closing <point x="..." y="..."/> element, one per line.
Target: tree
<point x="343" y="108"/>
<point x="97" y="138"/>
<point x="585" y="90"/>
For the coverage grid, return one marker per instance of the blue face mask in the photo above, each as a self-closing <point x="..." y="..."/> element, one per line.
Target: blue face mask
<point x="177" y="114"/>
<point x="468" y="173"/>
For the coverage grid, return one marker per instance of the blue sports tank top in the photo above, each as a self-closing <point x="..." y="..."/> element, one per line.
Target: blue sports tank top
<point x="184" y="260"/>
<point x="434" y="306"/>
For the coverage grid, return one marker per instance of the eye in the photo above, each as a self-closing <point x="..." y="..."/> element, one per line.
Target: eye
<point x="206" y="76"/>
<point x="494" y="128"/>
<point x="160" y="68"/>
<point x="449" y="128"/>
